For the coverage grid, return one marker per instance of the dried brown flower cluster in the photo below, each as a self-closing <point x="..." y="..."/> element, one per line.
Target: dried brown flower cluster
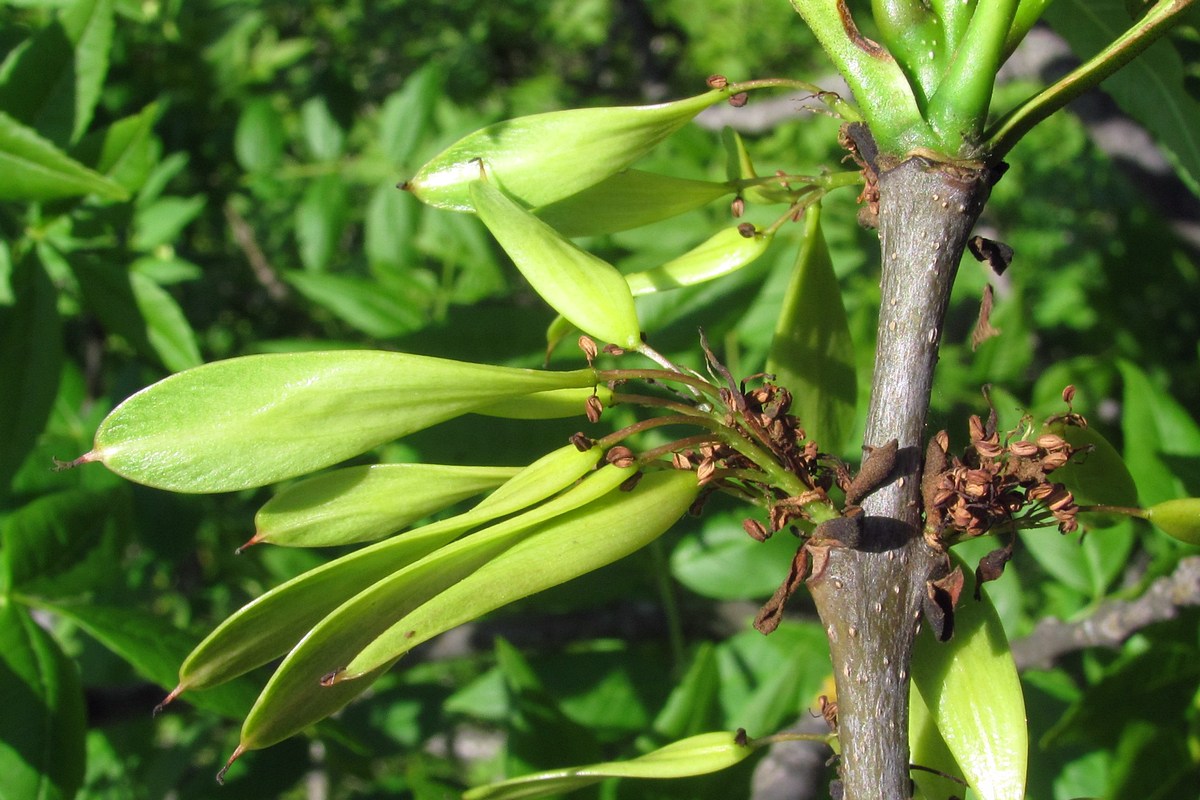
<point x="994" y="480"/>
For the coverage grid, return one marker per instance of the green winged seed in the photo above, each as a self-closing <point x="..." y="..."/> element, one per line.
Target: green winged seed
<point x="588" y="291"/>
<point x="365" y="503"/>
<point x="555" y="404"/>
<point x="272" y="624"/>
<point x="571" y="545"/>
<point x="292" y="699"/>
<point x="545" y="157"/>
<point x="1178" y="518"/>
<point x="973" y="693"/>
<point x="628" y="199"/>
<point x="724" y="253"/>
<point x="255" y="420"/>
<point x="701" y="754"/>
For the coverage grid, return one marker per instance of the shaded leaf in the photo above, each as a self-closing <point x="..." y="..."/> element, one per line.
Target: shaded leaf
<point x="34" y="169"/>
<point x="812" y="353"/>
<point x="1151" y="88"/>
<point x="31" y="357"/>
<point x="42" y="728"/>
<point x="378" y="311"/>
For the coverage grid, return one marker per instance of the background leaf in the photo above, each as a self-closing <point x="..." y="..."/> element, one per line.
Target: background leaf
<point x="41" y="736"/>
<point x="1152" y="89"/>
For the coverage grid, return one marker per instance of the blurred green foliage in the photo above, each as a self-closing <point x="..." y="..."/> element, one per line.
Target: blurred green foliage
<point x="222" y="181"/>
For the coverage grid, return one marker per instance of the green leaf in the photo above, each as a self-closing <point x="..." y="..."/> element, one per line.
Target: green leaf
<point x="1096" y="477"/>
<point x="31" y="357"/>
<point x="697" y="755"/>
<point x="34" y="169"/>
<point x="1086" y="564"/>
<point x="553" y="555"/>
<point x="154" y="646"/>
<point x="812" y="354"/>
<point x="389" y="231"/>
<point x="125" y="151"/>
<point x="1159" y="435"/>
<point x="288" y="704"/>
<point x="545" y="157"/>
<point x="162" y="221"/>
<point x="971" y="688"/>
<point x="406" y="114"/>
<point x="272" y="624"/>
<point x="589" y="292"/>
<point x="692" y="705"/>
<point x="52" y="81"/>
<point x="138" y="310"/>
<point x="322" y="133"/>
<point x="320" y="218"/>
<point x="721" y="254"/>
<point x="1152" y="88"/>
<point x="629" y="199"/>
<point x="259" y="137"/>
<point x="259" y="419"/>
<point x="42" y="732"/>
<point x="63" y="543"/>
<point x="361" y="504"/>
<point x="721" y="562"/>
<point x="379" y="311"/>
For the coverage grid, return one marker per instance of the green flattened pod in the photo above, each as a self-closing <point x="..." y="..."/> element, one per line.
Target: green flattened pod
<point x="721" y="254"/>
<point x="293" y="700"/>
<point x="365" y="503"/>
<point x="588" y="291"/>
<point x="259" y="419"/>
<point x="1177" y="518"/>
<point x="971" y="689"/>
<point x="545" y="157"/>
<point x="568" y="546"/>
<point x="701" y="754"/>
<point x="629" y="199"/>
<point x="555" y="404"/>
<point x="272" y="624"/>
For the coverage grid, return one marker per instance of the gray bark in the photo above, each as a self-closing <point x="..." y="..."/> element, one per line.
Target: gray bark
<point x="870" y="597"/>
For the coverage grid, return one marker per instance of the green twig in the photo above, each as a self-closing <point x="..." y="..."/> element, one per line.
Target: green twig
<point x="1004" y="135"/>
<point x="958" y="110"/>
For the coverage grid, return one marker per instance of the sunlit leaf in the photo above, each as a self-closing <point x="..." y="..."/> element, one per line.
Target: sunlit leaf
<point x="34" y="169"/>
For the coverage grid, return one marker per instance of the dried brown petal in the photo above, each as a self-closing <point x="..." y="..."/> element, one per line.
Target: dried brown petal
<point x="737" y="207"/>
<point x="756" y="530"/>
<point x="1051" y="442"/>
<point x="747" y="230"/>
<point x="717" y="81"/>
<point x="987" y="449"/>
<point x="582" y="442"/>
<point x="738" y="100"/>
<point x="588" y="346"/>
<point x="704" y="472"/>
<point x="620" y="456"/>
<point x="594" y="407"/>
<point x="975" y="426"/>
<point x="771" y="614"/>
<point x="1023" y="449"/>
<point x="1053" y="461"/>
<point x="1068" y="394"/>
<point x="680" y="461"/>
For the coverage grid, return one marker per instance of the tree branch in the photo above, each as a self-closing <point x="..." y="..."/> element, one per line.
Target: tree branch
<point x="1113" y="621"/>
